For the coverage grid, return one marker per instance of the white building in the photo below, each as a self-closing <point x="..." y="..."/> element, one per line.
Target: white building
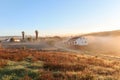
<point x="12" y="40"/>
<point x="79" y="41"/>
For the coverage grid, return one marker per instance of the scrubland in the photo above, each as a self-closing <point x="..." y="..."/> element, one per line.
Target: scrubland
<point x="21" y="64"/>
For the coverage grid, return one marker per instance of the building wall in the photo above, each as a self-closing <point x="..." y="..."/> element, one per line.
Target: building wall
<point x="81" y="41"/>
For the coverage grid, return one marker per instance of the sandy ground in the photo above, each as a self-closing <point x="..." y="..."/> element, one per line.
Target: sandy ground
<point x="28" y="45"/>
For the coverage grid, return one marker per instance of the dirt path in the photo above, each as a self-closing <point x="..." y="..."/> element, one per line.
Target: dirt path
<point x="31" y="45"/>
<point x="60" y="45"/>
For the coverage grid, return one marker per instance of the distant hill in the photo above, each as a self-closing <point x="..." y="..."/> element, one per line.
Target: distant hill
<point x="105" y="33"/>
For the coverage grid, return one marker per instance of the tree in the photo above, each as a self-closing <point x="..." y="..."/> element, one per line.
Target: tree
<point x="36" y="34"/>
<point x="23" y="35"/>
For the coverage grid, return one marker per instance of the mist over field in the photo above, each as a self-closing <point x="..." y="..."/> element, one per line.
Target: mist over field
<point x="104" y="45"/>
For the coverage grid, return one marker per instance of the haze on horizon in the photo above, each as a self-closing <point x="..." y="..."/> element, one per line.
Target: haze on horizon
<point x="58" y="17"/>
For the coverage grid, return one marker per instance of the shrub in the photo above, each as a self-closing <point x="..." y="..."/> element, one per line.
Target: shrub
<point x="3" y="63"/>
<point x="26" y="77"/>
<point x="9" y="77"/>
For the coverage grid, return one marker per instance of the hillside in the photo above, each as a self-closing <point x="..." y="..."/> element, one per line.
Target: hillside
<point x="105" y="33"/>
<point x="105" y="43"/>
<point x="43" y="65"/>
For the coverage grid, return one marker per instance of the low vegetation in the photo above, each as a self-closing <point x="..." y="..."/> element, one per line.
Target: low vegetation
<point x="43" y="65"/>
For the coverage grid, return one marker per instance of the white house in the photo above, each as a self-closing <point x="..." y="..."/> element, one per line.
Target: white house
<point x="79" y="41"/>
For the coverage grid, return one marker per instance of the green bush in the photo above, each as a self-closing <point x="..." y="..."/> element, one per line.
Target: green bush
<point x="16" y="74"/>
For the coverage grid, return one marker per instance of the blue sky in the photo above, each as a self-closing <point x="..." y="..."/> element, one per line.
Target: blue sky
<point x="58" y="17"/>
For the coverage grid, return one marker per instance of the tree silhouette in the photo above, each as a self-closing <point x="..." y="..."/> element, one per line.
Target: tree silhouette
<point x="23" y="35"/>
<point x="36" y="34"/>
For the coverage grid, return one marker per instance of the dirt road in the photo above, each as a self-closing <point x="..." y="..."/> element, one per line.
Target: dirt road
<point x="60" y="45"/>
<point x="31" y="45"/>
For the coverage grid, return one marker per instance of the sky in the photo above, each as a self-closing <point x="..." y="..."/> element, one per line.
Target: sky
<point x="58" y="17"/>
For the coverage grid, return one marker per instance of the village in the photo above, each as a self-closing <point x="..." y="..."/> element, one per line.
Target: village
<point x="38" y="42"/>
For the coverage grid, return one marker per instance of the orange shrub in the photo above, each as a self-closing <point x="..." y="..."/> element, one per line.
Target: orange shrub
<point x="3" y="63"/>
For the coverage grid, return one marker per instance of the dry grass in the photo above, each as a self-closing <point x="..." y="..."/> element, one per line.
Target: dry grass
<point x="63" y="65"/>
<point x="3" y="63"/>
